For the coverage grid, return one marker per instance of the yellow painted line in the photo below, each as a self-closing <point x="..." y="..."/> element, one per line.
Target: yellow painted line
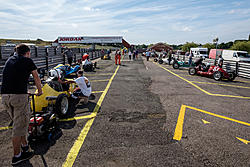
<point x="179" y="126"/>
<point x="6" y="128"/>
<point x="97" y="91"/>
<point x="103" y="80"/>
<point x="92" y="115"/>
<point x="199" y="88"/>
<point x="241" y="81"/>
<point x="210" y="83"/>
<point x="219" y="116"/>
<point x="243" y="140"/>
<point x="78" y="143"/>
<point x="99" y="74"/>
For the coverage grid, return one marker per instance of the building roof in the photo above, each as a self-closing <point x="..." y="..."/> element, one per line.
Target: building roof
<point x="160" y="47"/>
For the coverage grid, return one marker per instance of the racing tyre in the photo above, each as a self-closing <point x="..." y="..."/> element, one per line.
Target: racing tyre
<point x="217" y="75"/>
<point x="232" y="76"/>
<point x="155" y="60"/>
<point x="176" y="65"/>
<point x="192" y="71"/>
<point x="160" y="61"/>
<point x="62" y="105"/>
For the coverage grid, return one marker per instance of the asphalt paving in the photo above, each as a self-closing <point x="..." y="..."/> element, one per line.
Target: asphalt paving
<point x="146" y="114"/>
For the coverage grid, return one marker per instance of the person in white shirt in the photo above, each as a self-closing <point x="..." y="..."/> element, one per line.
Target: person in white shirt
<point x="84" y="87"/>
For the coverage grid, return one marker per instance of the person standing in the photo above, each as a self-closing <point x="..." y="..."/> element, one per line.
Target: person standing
<point x="129" y="54"/>
<point x="220" y="61"/>
<point x="190" y="58"/>
<point x="15" y="98"/>
<point x="118" y="57"/>
<point x="169" y="57"/>
<point x="69" y="55"/>
<point x="148" y="55"/>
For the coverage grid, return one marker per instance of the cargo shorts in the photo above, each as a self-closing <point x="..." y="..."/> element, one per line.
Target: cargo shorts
<point x="18" y="107"/>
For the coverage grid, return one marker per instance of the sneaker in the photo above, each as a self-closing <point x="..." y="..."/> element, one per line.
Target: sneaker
<point x="25" y="149"/>
<point x="24" y="156"/>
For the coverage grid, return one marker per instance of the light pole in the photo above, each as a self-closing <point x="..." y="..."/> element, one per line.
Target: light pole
<point x="216" y="43"/>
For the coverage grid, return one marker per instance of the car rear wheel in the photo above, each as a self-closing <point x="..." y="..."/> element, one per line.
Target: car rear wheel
<point x="176" y="65"/>
<point x="192" y="71"/>
<point x="217" y="75"/>
<point x="160" y="61"/>
<point x="62" y="105"/>
<point x="155" y="60"/>
<point x="232" y="76"/>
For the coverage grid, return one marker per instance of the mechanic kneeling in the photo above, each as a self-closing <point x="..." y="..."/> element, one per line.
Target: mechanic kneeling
<point x="84" y="88"/>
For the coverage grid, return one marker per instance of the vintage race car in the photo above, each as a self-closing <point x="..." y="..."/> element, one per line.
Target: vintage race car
<point x="178" y="64"/>
<point x="215" y="72"/>
<point x="67" y="69"/>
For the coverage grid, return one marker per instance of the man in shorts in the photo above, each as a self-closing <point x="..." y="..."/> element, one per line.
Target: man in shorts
<point x="15" y="98"/>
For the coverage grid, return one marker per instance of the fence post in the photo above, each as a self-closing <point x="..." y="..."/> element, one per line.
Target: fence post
<point x="47" y="60"/>
<point x="237" y="68"/>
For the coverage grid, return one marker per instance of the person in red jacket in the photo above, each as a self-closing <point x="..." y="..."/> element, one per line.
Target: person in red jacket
<point x="118" y="57"/>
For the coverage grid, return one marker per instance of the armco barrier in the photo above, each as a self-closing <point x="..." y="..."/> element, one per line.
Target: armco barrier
<point x="244" y="70"/>
<point x="47" y="57"/>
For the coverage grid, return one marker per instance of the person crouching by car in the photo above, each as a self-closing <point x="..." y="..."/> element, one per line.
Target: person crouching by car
<point x="87" y="65"/>
<point x="84" y="88"/>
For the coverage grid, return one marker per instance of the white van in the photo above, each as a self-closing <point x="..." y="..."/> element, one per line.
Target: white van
<point x="200" y="52"/>
<point x="234" y="55"/>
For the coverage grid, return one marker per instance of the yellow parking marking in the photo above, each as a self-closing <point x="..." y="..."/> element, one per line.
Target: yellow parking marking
<point x="103" y="80"/>
<point x="98" y="91"/>
<point x="179" y="125"/>
<point x="205" y="122"/>
<point x="79" y="142"/>
<point x="243" y="140"/>
<point x="241" y="81"/>
<point x="99" y="74"/>
<point x="210" y="83"/>
<point x="199" y="88"/>
<point x="180" y="121"/>
<point x="6" y="128"/>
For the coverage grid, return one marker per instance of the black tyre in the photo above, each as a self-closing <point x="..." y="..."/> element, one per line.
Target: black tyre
<point x="62" y="105"/>
<point x="192" y="71"/>
<point x="176" y="65"/>
<point x="232" y="76"/>
<point x="155" y="60"/>
<point x="160" y="61"/>
<point x="217" y="75"/>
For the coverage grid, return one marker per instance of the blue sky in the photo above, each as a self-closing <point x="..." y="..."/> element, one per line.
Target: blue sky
<point x="138" y="21"/>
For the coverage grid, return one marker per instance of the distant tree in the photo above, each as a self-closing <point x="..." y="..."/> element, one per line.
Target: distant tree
<point x="249" y="37"/>
<point x="209" y="46"/>
<point x="243" y="46"/>
<point x="186" y="47"/>
<point x="227" y="45"/>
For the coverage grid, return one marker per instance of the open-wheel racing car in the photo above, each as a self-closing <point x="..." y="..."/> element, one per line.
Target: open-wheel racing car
<point x="164" y="60"/>
<point x="215" y="72"/>
<point x="67" y="69"/>
<point x="50" y="106"/>
<point x="177" y="64"/>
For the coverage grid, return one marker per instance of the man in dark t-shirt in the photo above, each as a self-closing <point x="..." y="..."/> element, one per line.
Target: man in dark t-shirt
<point x="16" y="100"/>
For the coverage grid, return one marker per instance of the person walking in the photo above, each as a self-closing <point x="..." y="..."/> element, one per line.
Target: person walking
<point x="69" y="55"/>
<point x="15" y="98"/>
<point x="118" y="57"/>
